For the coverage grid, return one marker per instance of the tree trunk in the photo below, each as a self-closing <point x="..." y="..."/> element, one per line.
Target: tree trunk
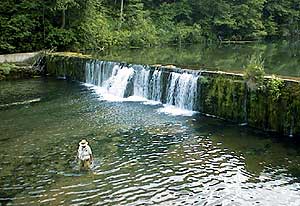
<point x="63" y="19"/>
<point x="121" y="14"/>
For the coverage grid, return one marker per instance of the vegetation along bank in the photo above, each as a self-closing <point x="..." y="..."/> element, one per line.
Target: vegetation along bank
<point x="21" y="65"/>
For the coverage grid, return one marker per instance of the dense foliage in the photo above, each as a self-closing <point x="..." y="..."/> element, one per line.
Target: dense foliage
<point x="28" y="25"/>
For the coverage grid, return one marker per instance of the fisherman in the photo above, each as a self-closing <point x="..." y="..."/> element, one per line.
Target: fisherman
<point x="85" y="154"/>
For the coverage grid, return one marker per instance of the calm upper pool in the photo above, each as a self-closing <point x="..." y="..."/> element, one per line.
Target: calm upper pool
<point x="280" y="58"/>
<point x="142" y="156"/>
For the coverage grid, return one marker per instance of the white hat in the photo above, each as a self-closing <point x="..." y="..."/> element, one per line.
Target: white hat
<point x="83" y="142"/>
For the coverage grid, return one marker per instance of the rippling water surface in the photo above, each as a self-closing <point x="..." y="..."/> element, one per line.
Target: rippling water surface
<point x="142" y="156"/>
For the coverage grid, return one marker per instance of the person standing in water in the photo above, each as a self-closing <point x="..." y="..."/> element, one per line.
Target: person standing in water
<point x="84" y="154"/>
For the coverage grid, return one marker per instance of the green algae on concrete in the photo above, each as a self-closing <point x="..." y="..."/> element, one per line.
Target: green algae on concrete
<point x="272" y="108"/>
<point x="69" y="65"/>
<point x="276" y="114"/>
<point x="222" y="95"/>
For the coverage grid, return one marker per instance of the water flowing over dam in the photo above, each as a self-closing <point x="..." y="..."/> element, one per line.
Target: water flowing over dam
<point x="172" y="88"/>
<point x="275" y="108"/>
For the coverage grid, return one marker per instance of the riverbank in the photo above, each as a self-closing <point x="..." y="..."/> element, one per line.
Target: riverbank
<point x="21" y="65"/>
<point x="11" y="71"/>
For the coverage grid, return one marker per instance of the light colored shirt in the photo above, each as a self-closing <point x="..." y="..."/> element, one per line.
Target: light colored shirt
<point x="84" y="152"/>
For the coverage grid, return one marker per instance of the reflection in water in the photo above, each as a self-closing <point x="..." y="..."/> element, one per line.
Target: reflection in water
<point x="281" y="58"/>
<point x="142" y="157"/>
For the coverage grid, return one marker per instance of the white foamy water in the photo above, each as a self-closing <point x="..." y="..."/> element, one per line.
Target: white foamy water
<point x="141" y="83"/>
<point x="136" y="99"/>
<point x="152" y="102"/>
<point x="182" y="90"/>
<point x="119" y="83"/>
<point x="175" y="111"/>
<point x="154" y="86"/>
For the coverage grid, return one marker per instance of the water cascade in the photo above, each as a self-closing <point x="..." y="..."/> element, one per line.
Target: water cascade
<point x="118" y="82"/>
<point x="182" y="90"/>
<point x="171" y="88"/>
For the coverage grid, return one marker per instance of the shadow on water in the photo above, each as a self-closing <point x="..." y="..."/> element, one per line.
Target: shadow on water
<point x="281" y="58"/>
<point x="141" y="156"/>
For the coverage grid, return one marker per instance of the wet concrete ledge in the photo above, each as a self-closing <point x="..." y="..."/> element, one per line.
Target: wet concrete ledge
<point x="18" y="57"/>
<point x="275" y="108"/>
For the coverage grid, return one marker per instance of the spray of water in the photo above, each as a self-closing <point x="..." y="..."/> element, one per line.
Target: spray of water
<point x="120" y="81"/>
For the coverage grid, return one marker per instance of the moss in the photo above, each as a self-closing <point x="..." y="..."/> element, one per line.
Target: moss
<point x="224" y="97"/>
<point x="274" y="106"/>
<point x="294" y="107"/>
<point x="274" y="86"/>
<point x="67" y="66"/>
<point x="254" y="73"/>
<point x="203" y="80"/>
<point x="275" y="110"/>
<point x="10" y="71"/>
<point x="70" y="54"/>
<point x="164" y="85"/>
<point x="6" y="68"/>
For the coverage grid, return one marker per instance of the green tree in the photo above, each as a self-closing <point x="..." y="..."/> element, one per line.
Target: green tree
<point x="96" y="24"/>
<point x="63" y="5"/>
<point x="249" y="22"/>
<point x="282" y="18"/>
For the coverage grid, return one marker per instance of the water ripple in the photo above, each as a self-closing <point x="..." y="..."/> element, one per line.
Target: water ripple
<point x="141" y="157"/>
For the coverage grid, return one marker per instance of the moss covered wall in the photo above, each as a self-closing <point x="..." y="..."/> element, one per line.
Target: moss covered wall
<point x="66" y="66"/>
<point x="273" y="107"/>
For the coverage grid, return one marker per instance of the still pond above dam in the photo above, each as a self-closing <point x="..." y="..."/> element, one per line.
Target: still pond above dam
<point x="280" y="57"/>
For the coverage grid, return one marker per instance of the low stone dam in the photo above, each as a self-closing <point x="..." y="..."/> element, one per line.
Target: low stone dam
<point x="274" y="107"/>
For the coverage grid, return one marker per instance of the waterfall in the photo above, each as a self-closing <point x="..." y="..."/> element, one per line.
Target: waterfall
<point x="182" y="90"/>
<point x="155" y="86"/>
<point x="141" y="83"/>
<point x="171" y="88"/>
<point x="117" y="84"/>
<point x="98" y="72"/>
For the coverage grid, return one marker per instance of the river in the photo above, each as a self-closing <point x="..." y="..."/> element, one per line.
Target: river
<point x="279" y="58"/>
<point x="143" y="154"/>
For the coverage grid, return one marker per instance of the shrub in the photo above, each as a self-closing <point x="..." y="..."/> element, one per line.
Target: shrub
<point x="254" y="73"/>
<point x="6" y="68"/>
<point x="274" y="86"/>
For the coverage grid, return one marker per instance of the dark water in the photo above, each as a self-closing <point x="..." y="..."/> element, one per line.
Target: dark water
<point x="142" y="157"/>
<point x="280" y="58"/>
